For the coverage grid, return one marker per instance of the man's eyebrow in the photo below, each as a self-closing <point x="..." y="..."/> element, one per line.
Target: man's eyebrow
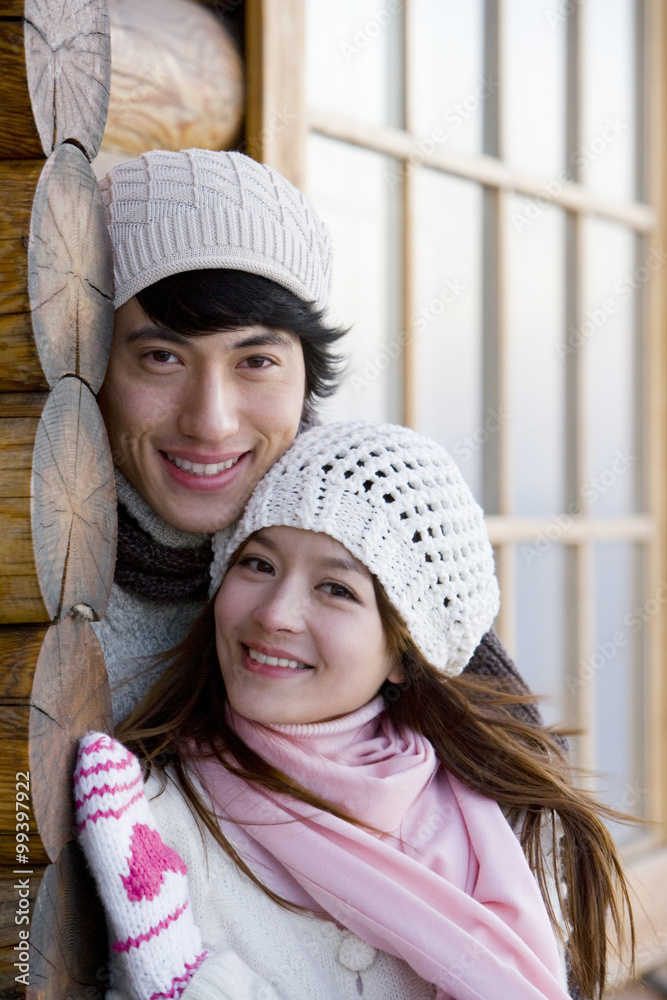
<point x="259" y="338"/>
<point x="157" y="333"/>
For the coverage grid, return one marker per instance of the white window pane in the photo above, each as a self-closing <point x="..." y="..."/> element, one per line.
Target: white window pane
<point x="540" y="636"/>
<point x="449" y="86"/>
<point x="350" y="190"/>
<point x="613" y="669"/>
<point x="607" y="333"/>
<point x="351" y="64"/>
<point x="606" y="156"/>
<point x="534" y="88"/>
<point x="447" y="320"/>
<point x="535" y="323"/>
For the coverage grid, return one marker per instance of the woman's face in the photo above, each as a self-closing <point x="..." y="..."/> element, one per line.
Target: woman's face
<point x="298" y="631"/>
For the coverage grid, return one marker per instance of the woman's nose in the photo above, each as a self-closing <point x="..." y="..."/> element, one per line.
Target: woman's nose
<point x="282" y="610"/>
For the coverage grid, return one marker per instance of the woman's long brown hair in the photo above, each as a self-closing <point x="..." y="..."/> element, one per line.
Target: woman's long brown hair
<point x="475" y="736"/>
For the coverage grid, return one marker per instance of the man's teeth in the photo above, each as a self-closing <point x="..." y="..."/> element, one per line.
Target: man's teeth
<point x="199" y="469"/>
<point x="275" y="661"/>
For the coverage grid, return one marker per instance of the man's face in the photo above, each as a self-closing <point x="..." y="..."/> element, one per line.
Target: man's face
<point x="195" y="422"/>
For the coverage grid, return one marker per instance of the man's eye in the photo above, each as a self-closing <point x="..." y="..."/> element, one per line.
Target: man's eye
<point x="256" y="361"/>
<point x="163" y="357"/>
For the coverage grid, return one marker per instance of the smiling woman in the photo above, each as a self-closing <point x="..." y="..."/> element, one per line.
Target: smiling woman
<point x="308" y="594"/>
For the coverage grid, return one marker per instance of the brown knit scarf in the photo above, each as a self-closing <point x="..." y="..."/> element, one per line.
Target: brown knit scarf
<point x="145" y="567"/>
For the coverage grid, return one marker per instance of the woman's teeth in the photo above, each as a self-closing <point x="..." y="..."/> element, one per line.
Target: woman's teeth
<point x="275" y="661"/>
<point x="198" y="469"/>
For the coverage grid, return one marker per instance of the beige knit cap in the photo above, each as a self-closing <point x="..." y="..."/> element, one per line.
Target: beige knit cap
<point x="399" y="504"/>
<point x="169" y="212"/>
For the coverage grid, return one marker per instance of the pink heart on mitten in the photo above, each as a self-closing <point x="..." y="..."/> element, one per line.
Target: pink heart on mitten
<point x="149" y="859"/>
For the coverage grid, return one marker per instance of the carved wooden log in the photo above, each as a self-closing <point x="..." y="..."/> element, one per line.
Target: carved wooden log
<point x="54" y="86"/>
<point x="176" y="79"/>
<point x="70" y="270"/>
<point x="54" y="456"/>
<point x="9" y="929"/>
<point x="73" y="502"/>
<point x="68" y="941"/>
<point x="55" y="257"/>
<point x="70" y="696"/>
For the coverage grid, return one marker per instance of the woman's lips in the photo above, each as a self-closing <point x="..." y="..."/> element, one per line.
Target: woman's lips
<point x="271" y="666"/>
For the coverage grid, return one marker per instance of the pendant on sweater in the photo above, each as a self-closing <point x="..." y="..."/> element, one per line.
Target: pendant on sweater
<point x="356" y="955"/>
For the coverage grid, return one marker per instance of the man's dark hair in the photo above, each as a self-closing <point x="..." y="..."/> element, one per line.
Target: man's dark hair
<point x="218" y="299"/>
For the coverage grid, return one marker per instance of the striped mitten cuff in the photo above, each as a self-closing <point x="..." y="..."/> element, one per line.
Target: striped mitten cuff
<point x="142" y="882"/>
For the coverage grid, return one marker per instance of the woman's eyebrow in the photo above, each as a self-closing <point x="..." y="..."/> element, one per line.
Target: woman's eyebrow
<point x="339" y="562"/>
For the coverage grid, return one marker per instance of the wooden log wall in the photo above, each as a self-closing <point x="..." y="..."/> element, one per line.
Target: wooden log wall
<point x="57" y="498"/>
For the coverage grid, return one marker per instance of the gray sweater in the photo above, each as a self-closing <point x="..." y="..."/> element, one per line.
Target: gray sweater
<point x="134" y="627"/>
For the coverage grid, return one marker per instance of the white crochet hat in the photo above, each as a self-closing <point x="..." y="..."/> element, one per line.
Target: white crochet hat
<point x="399" y="504"/>
<point x="169" y="212"/>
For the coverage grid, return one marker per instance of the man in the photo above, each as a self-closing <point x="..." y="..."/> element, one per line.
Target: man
<point x="219" y="351"/>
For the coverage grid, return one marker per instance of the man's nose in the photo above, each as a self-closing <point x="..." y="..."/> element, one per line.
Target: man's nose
<point x="209" y="410"/>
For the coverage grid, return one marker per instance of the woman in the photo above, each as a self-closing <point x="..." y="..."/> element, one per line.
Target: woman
<point x="335" y="796"/>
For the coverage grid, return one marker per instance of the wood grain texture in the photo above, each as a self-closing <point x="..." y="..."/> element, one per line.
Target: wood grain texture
<point x="18" y="181"/>
<point x="73" y="502"/>
<point x="18" y="132"/>
<point x="20" y="595"/>
<point x="9" y="930"/>
<point x="68" y="940"/>
<point x="19" y="651"/>
<point x="14" y="730"/>
<point x="70" y="696"/>
<point x="20" y="366"/>
<point x="176" y="79"/>
<point x="70" y="270"/>
<point x="68" y="63"/>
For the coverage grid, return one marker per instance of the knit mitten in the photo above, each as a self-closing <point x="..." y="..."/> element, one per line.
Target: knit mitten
<point x="142" y="882"/>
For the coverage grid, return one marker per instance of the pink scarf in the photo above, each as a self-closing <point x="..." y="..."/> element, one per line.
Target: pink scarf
<point x="446" y="887"/>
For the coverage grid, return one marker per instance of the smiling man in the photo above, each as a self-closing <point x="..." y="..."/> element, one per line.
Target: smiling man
<point x="220" y="349"/>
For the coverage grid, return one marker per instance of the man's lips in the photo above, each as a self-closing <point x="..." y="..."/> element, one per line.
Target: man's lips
<point x="203" y="476"/>
<point x="200" y="468"/>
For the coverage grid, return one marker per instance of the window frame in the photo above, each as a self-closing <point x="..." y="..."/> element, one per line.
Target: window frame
<point x="278" y="123"/>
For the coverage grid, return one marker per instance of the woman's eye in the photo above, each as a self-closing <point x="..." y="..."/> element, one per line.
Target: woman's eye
<point x="256" y="563"/>
<point x="339" y="590"/>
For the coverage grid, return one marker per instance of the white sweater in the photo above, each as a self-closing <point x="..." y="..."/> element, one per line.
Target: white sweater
<point x="259" y="950"/>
